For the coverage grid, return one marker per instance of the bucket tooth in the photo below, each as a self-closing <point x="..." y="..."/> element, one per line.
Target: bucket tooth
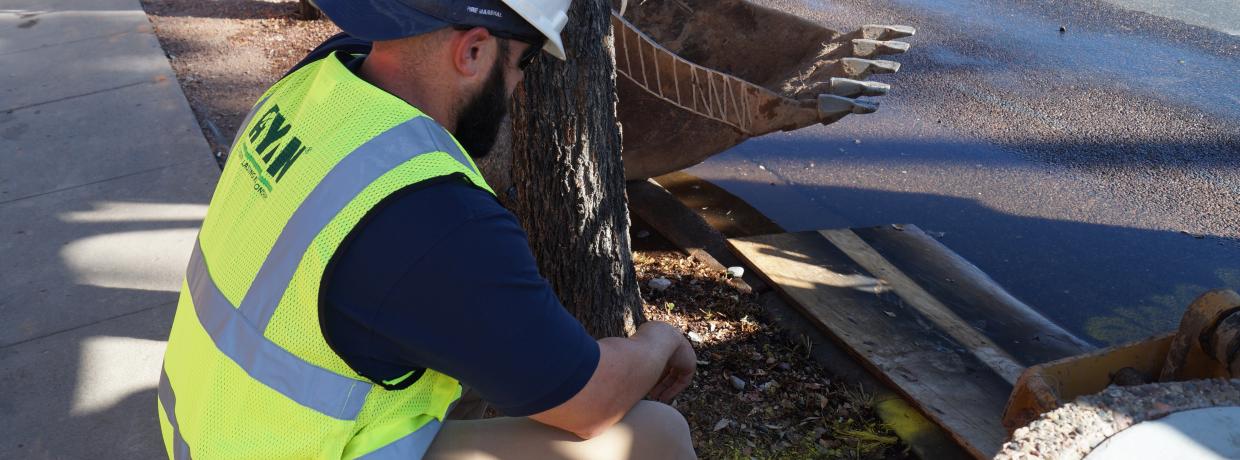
<point x="831" y="107"/>
<point x="882" y="32"/>
<point x="864" y="47"/>
<point x="848" y="87"/>
<point x="861" y="68"/>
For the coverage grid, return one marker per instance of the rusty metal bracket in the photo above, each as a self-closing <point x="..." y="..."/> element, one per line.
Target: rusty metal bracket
<point x="1223" y="342"/>
<point x="1197" y="332"/>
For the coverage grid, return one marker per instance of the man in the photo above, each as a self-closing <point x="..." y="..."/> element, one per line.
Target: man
<point x="354" y="267"/>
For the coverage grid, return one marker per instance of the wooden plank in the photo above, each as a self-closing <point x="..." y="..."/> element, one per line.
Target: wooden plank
<point x="971" y="294"/>
<point x="896" y="342"/>
<point x="665" y="214"/>
<point x="724" y="211"/>
<point x="947" y="321"/>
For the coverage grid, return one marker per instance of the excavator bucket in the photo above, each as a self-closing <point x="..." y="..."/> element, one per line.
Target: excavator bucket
<point x="696" y="77"/>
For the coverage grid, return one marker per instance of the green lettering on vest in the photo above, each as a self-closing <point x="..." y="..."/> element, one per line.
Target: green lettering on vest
<point x="292" y="151"/>
<point x="261" y="124"/>
<point x="277" y="130"/>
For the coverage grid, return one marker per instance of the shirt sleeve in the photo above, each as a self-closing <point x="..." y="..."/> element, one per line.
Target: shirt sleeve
<point x="443" y="278"/>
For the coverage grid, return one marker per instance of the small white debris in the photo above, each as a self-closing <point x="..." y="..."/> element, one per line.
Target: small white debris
<point x="660" y="284"/>
<point x="737" y="383"/>
<point x="695" y="337"/>
<point x="721" y="424"/>
<point x="893" y="315"/>
<point x="762" y="167"/>
<point x="736" y="272"/>
<point x="856" y="141"/>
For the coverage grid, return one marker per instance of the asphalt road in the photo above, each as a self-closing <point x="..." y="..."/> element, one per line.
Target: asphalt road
<point x="1094" y="172"/>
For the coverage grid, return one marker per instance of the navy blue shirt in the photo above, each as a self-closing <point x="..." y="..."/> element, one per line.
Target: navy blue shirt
<point x="441" y="276"/>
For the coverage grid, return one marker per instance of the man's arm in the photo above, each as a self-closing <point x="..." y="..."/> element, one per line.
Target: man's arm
<point x="443" y="278"/>
<point x="657" y="361"/>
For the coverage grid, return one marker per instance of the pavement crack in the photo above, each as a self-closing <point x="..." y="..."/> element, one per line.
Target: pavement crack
<point x="92" y="323"/>
<point x="100" y="181"/>
<point x="70" y="42"/>
<point x="91" y="93"/>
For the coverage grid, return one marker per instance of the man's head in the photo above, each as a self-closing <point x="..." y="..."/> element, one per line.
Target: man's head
<point x="458" y="61"/>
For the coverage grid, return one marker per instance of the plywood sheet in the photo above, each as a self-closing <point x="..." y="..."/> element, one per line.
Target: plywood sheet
<point x="953" y="372"/>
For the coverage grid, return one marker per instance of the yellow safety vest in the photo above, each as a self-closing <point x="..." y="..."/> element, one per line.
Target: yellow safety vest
<point x="247" y="373"/>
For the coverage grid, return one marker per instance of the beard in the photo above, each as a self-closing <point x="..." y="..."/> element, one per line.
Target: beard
<point x="480" y="119"/>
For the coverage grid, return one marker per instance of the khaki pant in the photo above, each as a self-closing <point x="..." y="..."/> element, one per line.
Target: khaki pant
<point x="651" y="430"/>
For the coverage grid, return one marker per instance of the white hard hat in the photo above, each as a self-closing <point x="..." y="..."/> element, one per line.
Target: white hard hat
<point x="548" y="16"/>
<point x="536" y="21"/>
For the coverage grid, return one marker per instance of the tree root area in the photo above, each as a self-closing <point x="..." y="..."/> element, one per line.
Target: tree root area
<point x="758" y="392"/>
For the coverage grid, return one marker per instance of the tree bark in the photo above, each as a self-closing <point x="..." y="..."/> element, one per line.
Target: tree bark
<point x="569" y="179"/>
<point x="307" y="11"/>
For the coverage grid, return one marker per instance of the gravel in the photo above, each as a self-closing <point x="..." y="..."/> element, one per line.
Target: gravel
<point x="659" y="284"/>
<point x="1072" y="431"/>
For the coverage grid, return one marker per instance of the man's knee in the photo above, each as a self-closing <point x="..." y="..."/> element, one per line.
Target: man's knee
<point x="660" y="429"/>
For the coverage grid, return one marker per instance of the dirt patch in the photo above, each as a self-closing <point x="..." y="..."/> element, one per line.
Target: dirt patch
<point x="782" y="404"/>
<point x="227" y="52"/>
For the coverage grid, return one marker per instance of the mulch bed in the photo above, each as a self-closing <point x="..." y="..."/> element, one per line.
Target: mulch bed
<point x="758" y="394"/>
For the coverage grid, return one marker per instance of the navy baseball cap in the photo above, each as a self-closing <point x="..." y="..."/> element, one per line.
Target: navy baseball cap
<point x="377" y="20"/>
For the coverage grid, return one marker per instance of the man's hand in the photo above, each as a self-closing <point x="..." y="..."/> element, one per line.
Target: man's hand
<point x="657" y="362"/>
<point x="677" y="374"/>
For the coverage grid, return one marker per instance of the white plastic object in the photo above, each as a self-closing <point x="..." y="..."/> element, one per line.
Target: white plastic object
<point x="549" y="17"/>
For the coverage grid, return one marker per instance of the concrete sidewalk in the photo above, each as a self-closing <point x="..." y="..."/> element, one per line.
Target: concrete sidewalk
<point x="104" y="180"/>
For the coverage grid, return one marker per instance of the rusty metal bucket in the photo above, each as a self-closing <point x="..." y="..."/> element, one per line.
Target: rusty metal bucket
<point x="696" y="77"/>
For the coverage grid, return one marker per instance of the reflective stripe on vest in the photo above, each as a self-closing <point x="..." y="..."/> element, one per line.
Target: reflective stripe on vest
<point x="238" y="332"/>
<point x="180" y="450"/>
<point x="241" y="338"/>
<point x="327" y="392"/>
<point x="344" y="182"/>
<point x="311" y="386"/>
<point x="412" y="446"/>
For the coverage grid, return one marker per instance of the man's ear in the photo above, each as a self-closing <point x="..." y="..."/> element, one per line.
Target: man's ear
<point x="473" y="52"/>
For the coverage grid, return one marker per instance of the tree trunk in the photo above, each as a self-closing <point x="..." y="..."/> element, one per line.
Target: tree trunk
<point x="307" y="11"/>
<point x="569" y="180"/>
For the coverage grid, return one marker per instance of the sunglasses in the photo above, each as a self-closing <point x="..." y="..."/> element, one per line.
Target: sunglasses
<point x="529" y="55"/>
